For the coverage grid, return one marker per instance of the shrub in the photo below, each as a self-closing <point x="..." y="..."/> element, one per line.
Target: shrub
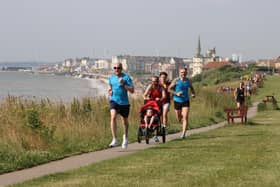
<point x="75" y="107"/>
<point x="32" y="119"/>
<point x="86" y="105"/>
<point x="261" y="107"/>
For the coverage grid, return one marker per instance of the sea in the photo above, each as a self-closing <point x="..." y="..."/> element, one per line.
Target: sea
<point x="53" y="87"/>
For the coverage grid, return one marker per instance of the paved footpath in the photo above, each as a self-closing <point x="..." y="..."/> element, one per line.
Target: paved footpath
<point x="78" y="161"/>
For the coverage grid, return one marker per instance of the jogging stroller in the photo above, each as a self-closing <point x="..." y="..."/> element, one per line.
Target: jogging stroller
<point x="156" y="127"/>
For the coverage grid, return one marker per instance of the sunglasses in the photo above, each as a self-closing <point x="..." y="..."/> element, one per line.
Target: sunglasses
<point x="117" y="68"/>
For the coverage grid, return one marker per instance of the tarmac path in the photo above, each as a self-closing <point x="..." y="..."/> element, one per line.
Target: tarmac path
<point x="78" y="161"/>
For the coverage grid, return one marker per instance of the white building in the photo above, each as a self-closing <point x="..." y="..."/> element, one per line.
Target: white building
<point x="67" y="62"/>
<point x="196" y="68"/>
<point x="102" y="64"/>
<point x="85" y="61"/>
<point x="121" y="59"/>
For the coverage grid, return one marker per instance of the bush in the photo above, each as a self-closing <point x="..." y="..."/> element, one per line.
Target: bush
<point x="261" y="107"/>
<point x="217" y="76"/>
<point x="86" y="105"/>
<point x="32" y="119"/>
<point x="75" y="107"/>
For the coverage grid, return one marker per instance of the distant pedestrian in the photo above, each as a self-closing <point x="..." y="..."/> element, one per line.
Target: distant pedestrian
<point x="239" y="95"/>
<point x="119" y="84"/>
<point x="179" y="88"/>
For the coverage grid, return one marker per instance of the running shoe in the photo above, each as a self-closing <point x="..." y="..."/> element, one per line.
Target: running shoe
<point x="125" y="142"/>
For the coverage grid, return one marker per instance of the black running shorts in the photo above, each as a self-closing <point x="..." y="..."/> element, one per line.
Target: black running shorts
<point x="180" y="105"/>
<point x="123" y="110"/>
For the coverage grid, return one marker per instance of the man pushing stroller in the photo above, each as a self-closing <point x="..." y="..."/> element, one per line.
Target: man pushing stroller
<point x="155" y="92"/>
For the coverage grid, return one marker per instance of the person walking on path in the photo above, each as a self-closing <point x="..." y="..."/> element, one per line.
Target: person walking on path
<point x="164" y="82"/>
<point x="119" y="84"/>
<point x="239" y="95"/>
<point x="179" y="88"/>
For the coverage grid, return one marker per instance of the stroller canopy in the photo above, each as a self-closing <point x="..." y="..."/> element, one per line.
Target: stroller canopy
<point x="150" y="104"/>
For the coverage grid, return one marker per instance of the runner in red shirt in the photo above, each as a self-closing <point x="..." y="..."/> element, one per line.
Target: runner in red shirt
<point x="154" y="91"/>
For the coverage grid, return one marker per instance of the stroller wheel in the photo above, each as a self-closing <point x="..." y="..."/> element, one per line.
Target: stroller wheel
<point x="163" y="135"/>
<point x="139" y="135"/>
<point x="147" y="136"/>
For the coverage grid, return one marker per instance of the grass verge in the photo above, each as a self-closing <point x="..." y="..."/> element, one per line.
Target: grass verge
<point x="237" y="155"/>
<point x="34" y="132"/>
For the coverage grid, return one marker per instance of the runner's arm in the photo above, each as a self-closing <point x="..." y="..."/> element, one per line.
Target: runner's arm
<point x="110" y="90"/>
<point x="171" y="87"/>
<point x="128" y="84"/>
<point x="163" y="93"/>
<point x="147" y="92"/>
<point x="192" y="89"/>
<point x="129" y="88"/>
<point x="152" y="120"/>
<point x="235" y="93"/>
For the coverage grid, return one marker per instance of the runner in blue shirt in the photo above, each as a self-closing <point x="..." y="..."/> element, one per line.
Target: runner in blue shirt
<point x="179" y="88"/>
<point x="119" y="84"/>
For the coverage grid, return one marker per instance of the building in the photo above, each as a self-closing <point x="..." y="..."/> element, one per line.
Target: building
<point x="148" y="64"/>
<point x="12" y="68"/>
<point x="86" y="61"/>
<point x="103" y="64"/>
<point x="67" y="62"/>
<point x="200" y="60"/>
<point x="269" y="63"/>
<point x="277" y="63"/>
<point x="216" y="64"/>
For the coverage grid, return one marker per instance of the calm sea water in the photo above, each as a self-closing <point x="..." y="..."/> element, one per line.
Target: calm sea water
<point x="48" y="86"/>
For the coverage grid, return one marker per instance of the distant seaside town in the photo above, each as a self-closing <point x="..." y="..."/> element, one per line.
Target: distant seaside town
<point x="142" y="67"/>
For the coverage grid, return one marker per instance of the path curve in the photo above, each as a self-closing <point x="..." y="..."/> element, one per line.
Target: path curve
<point x="78" y="161"/>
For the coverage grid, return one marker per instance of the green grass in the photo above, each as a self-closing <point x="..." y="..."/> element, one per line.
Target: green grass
<point x="221" y="75"/>
<point x="33" y="132"/>
<point x="270" y="87"/>
<point x="237" y="155"/>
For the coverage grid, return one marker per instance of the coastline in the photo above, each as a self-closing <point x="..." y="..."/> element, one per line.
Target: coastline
<point x="99" y="84"/>
<point x="56" y="88"/>
<point x="103" y="80"/>
<point x="101" y="88"/>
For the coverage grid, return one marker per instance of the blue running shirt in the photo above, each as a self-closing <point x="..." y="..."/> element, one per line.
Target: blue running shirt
<point x="182" y="86"/>
<point x="119" y="94"/>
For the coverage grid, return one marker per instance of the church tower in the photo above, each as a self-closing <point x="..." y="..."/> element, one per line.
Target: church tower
<point x="198" y="60"/>
<point x="198" y="50"/>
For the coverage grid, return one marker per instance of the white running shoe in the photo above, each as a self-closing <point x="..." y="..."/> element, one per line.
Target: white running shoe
<point x="114" y="143"/>
<point x="125" y="142"/>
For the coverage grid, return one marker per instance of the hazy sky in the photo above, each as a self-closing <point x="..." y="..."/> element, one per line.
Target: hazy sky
<point x="52" y="30"/>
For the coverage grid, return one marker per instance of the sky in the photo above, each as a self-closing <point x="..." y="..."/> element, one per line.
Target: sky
<point x="53" y="30"/>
